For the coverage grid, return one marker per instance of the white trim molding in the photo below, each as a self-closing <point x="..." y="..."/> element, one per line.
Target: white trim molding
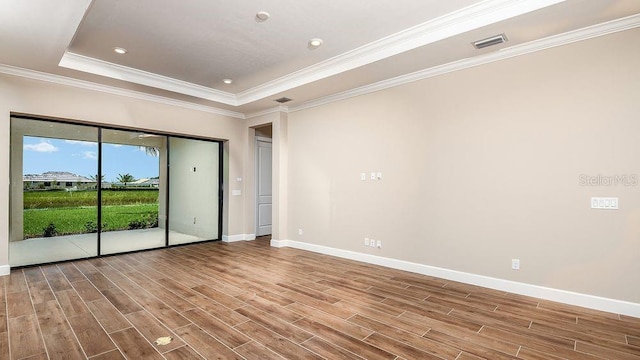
<point x="541" y="292"/>
<point x="590" y="32"/>
<point x="469" y="18"/>
<point x="87" y="85"/>
<point x="5" y="270"/>
<point x="238" y="237"/>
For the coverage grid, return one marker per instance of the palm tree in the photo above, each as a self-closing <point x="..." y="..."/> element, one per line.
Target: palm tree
<point x="151" y="150"/>
<point x="126" y="178"/>
<point x="95" y="177"/>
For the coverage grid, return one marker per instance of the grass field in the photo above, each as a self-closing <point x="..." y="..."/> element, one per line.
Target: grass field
<point x="63" y="199"/>
<point x="76" y="212"/>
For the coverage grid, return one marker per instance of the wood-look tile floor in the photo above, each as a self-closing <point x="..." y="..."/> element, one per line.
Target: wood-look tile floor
<point x="250" y="301"/>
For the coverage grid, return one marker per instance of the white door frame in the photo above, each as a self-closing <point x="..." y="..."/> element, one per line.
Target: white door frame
<point x="257" y="182"/>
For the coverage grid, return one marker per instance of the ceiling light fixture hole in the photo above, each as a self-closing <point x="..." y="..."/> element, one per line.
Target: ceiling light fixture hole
<point x="315" y="43"/>
<point x="262" y="16"/>
<point x="227" y="81"/>
<point x="119" y="50"/>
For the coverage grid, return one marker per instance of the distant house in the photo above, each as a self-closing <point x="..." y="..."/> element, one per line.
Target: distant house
<point x="56" y="180"/>
<point x="142" y="183"/>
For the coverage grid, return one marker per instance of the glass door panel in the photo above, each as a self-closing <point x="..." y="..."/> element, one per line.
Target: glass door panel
<point x="193" y="190"/>
<point x="53" y="197"/>
<point x="133" y="188"/>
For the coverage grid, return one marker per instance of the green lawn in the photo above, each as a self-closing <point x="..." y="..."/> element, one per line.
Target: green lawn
<point x="76" y="212"/>
<point x="59" y="199"/>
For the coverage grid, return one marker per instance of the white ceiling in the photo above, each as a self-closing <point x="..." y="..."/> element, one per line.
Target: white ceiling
<point x="182" y="50"/>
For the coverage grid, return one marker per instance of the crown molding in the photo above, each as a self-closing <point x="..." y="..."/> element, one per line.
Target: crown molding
<point x="277" y="109"/>
<point x="594" y="31"/>
<point x="586" y="33"/>
<point x="472" y="17"/>
<point x="94" y="66"/>
<point x="62" y="80"/>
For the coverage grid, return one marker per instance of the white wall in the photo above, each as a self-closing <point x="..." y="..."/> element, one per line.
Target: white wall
<point x="481" y="166"/>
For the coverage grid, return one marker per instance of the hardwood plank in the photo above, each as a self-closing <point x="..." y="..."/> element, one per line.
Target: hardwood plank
<point x="327" y="350"/>
<point x="256" y="351"/>
<point x="71" y="272"/>
<point x="152" y="329"/>
<point x="344" y="341"/>
<point x="224" y="299"/>
<point x="217" y="310"/>
<point x="416" y="341"/>
<point x="25" y="337"/>
<point x="87" y="291"/>
<point x="15" y="282"/>
<point x="605" y="352"/>
<point x="276" y="325"/>
<point x="275" y="342"/>
<point x="71" y="303"/>
<point x="134" y="346"/>
<point x="183" y="353"/>
<point x="331" y="321"/>
<point x="92" y="337"/>
<point x="216" y="328"/>
<point x="59" y="339"/>
<point x="269" y="306"/>
<point x="108" y="316"/>
<point x="19" y="304"/>
<point x="4" y="345"/>
<point x="467" y="346"/>
<point x="207" y="346"/>
<point x="398" y="348"/>
<point x="57" y="281"/>
<point x="111" y="355"/>
<point x="121" y="301"/>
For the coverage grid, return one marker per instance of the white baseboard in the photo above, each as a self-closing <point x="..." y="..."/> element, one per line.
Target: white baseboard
<point x="541" y="292"/>
<point x="5" y="270"/>
<point x="238" y="237"/>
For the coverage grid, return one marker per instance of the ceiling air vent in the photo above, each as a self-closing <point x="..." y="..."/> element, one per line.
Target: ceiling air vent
<point x="283" y="100"/>
<point x="490" y="41"/>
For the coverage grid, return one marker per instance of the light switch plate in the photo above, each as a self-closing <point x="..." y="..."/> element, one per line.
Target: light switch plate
<point x="236" y="192"/>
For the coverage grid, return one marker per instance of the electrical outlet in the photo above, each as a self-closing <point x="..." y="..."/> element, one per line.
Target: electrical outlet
<point x="300" y="232"/>
<point x="515" y="264"/>
<point x="372" y="243"/>
<point x="194" y="219"/>
<point x="366" y="241"/>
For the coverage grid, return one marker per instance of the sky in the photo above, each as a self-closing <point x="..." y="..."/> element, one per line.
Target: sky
<point x="81" y="158"/>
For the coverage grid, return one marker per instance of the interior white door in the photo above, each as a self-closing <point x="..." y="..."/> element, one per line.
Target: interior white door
<point x="263" y="191"/>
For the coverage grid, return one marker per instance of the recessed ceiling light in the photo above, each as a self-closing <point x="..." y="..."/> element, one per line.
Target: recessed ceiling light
<point x="227" y="81"/>
<point x="314" y="43"/>
<point x="262" y="16"/>
<point x="119" y="50"/>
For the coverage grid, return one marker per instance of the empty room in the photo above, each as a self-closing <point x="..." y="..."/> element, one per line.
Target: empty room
<point x="410" y="179"/>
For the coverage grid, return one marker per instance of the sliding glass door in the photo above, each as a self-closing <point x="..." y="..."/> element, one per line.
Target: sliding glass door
<point x="194" y="190"/>
<point x="80" y="191"/>
<point x="132" y="191"/>
<point x="54" y="197"/>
